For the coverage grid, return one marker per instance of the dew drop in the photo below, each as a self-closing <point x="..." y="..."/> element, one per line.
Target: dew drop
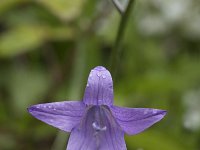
<point x="38" y="107"/>
<point x="100" y="101"/>
<point x="98" y="74"/>
<point x="90" y="75"/>
<point x="145" y="111"/>
<point x="87" y="85"/>
<point x="103" y="76"/>
<point x="154" y="111"/>
<point x="49" y="106"/>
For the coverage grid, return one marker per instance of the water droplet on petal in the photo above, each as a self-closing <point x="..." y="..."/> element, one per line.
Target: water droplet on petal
<point x="154" y="111"/>
<point x="87" y="85"/>
<point x="100" y="101"/>
<point x="145" y="111"/>
<point x="98" y="74"/>
<point x="103" y="76"/>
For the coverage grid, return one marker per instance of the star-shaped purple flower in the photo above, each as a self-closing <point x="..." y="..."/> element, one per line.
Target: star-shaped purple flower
<point x="95" y="123"/>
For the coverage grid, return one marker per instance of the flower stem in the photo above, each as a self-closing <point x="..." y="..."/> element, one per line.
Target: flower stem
<point x="116" y="52"/>
<point x="118" y="6"/>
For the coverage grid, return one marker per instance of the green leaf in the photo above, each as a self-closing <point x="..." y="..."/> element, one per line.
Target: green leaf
<point x="64" y="9"/>
<point x="20" y="40"/>
<point x="7" y="4"/>
<point x="26" y="38"/>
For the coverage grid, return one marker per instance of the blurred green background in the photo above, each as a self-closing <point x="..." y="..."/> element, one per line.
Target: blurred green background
<point x="48" y="47"/>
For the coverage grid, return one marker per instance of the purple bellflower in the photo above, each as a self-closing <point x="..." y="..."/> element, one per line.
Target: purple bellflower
<point x="95" y="123"/>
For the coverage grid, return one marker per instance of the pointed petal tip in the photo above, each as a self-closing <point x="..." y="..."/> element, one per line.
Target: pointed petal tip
<point x="159" y="113"/>
<point x="29" y="109"/>
<point x="62" y="115"/>
<point x="136" y="120"/>
<point x="32" y="108"/>
<point x="162" y="112"/>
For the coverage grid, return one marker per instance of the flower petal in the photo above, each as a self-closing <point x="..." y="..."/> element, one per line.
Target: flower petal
<point x="97" y="130"/>
<point x="62" y="115"/>
<point x="99" y="89"/>
<point x="136" y="120"/>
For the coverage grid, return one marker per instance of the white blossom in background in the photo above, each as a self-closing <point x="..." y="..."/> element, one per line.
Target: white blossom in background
<point x="191" y="118"/>
<point x="158" y="17"/>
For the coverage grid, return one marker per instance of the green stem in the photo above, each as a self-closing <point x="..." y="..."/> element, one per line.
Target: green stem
<point x="118" y="6"/>
<point x="116" y="52"/>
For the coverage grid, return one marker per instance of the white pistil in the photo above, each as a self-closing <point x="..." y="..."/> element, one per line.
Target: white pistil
<point x="97" y="127"/>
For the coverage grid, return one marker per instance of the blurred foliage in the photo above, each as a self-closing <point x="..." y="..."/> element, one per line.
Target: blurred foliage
<point x="47" y="49"/>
